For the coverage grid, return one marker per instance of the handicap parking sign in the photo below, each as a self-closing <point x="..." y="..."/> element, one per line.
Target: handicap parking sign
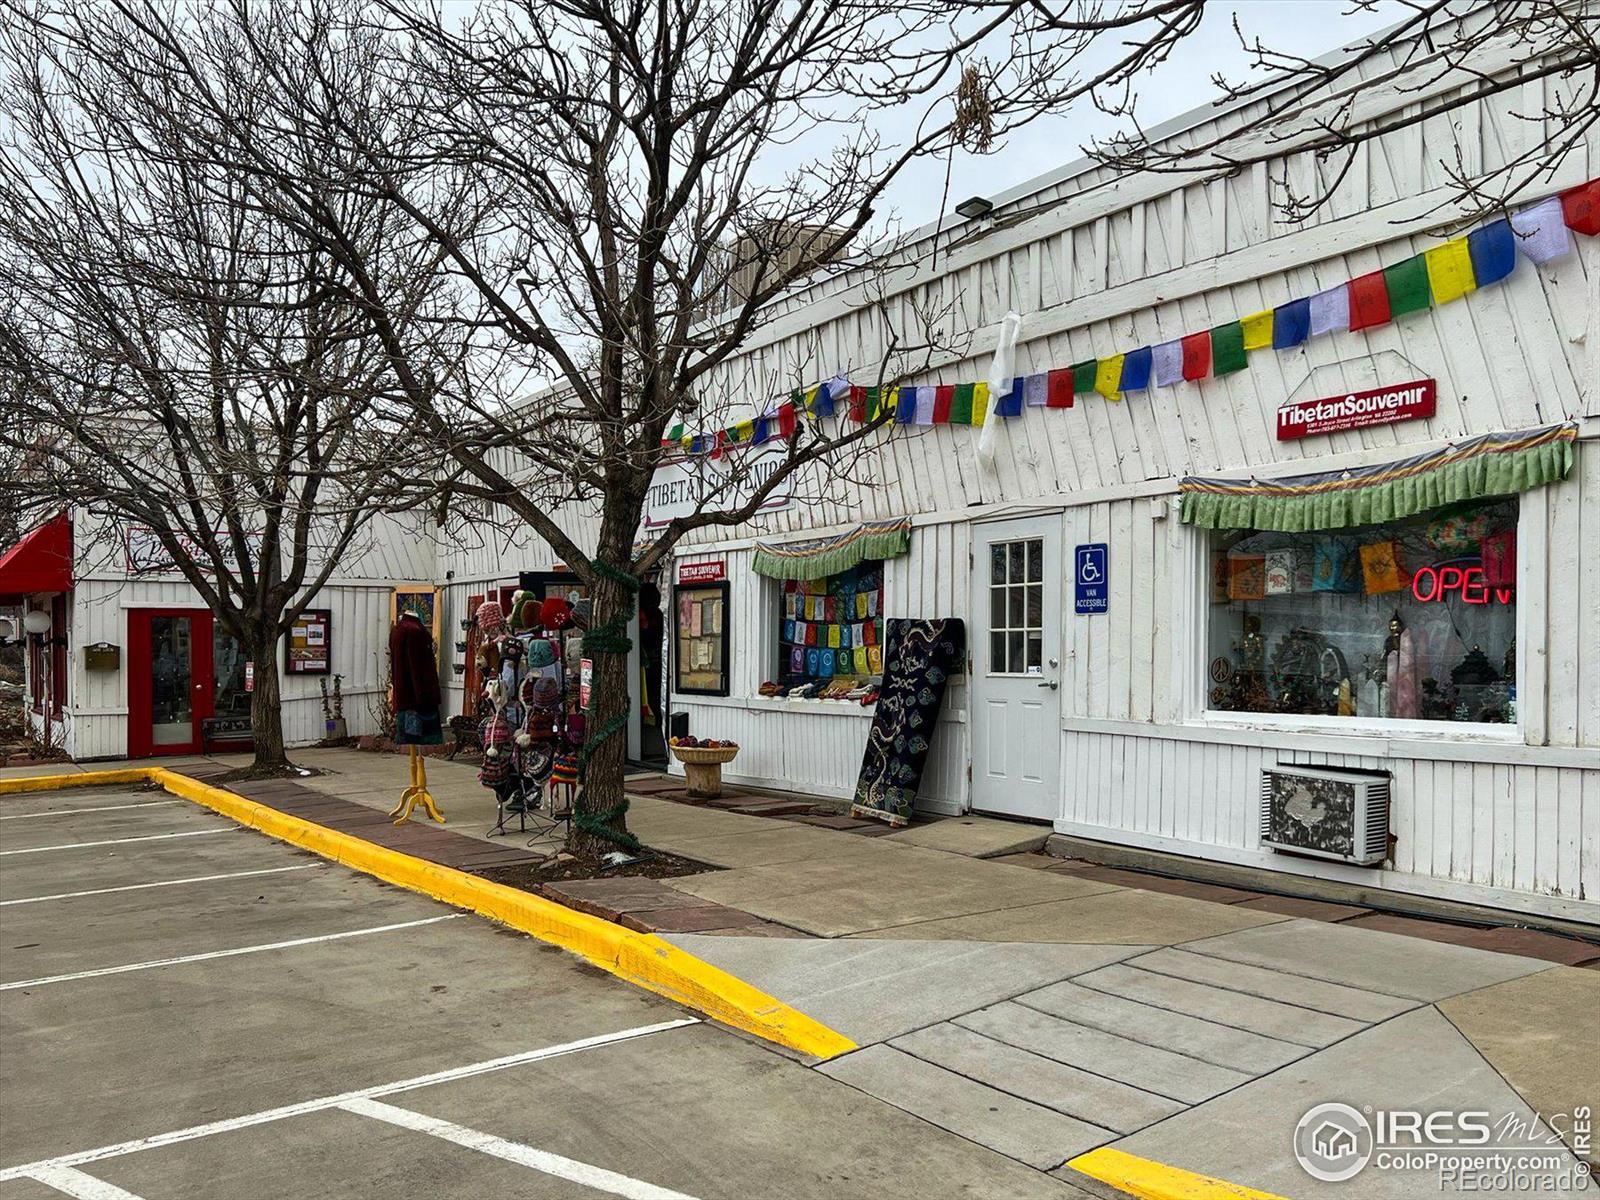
<point x="1093" y="583"/>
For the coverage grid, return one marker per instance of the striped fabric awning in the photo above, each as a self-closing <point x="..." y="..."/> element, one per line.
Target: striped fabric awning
<point x="816" y="557"/>
<point x="1495" y="464"/>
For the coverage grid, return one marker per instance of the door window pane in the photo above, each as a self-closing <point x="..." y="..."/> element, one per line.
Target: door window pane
<point x="1016" y="606"/>
<point x="171" y="681"/>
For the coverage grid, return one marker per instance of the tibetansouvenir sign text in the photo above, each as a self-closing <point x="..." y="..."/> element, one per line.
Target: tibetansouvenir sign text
<point x="1356" y="410"/>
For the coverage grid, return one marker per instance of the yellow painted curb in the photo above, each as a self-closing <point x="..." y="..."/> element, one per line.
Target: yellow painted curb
<point x="1156" y="1181"/>
<point x="640" y="958"/>
<point x="55" y="783"/>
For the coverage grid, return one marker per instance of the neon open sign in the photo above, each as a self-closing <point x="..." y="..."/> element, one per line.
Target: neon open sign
<point x="1465" y="582"/>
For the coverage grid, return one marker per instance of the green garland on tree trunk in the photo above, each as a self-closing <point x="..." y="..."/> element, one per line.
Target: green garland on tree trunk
<point x="610" y="638"/>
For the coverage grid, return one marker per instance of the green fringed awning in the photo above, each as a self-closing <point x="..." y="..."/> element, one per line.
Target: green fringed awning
<point x="1496" y="464"/>
<point x="817" y="557"/>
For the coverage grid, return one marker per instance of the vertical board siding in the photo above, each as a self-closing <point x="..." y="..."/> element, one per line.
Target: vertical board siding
<point x="360" y="633"/>
<point x="1502" y="829"/>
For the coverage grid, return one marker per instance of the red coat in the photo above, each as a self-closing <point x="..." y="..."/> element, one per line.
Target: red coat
<point x="414" y="665"/>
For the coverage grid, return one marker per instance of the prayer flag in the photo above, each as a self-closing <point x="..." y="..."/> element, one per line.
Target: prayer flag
<point x="961" y="404"/>
<point x="1581" y="207"/>
<point x="1036" y="390"/>
<point x="1493" y="250"/>
<point x="1369" y="301"/>
<point x="1407" y="285"/>
<point x="1257" y="329"/>
<point x="1541" y="230"/>
<point x="1291" y="323"/>
<point x="1010" y="404"/>
<point x="1166" y="363"/>
<point x="858" y="403"/>
<point x="1136" y="370"/>
<point x="905" y="405"/>
<point x="1227" y="349"/>
<point x="1107" y="376"/>
<point x="1059" y="387"/>
<point x="1450" y="271"/>
<point x="1197" y="355"/>
<point x="924" y="414"/>
<point x="980" y="403"/>
<point x="944" y="399"/>
<point x="1083" y="376"/>
<point x="1329" y="311"/>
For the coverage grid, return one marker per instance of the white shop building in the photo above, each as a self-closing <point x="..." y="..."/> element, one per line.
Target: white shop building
<point x="1373" y="550"/>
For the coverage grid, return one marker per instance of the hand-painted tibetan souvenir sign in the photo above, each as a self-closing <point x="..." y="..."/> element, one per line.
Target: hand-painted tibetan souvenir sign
<point x="713" y="571"/>
<point x="1356" y="410"/>
<point x="919" y="658"/>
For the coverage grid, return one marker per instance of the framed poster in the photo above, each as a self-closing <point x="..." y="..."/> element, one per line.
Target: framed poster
<point x="420" y="598"/>
<point x="700" y="639"/>
<point x="310" y="643"/>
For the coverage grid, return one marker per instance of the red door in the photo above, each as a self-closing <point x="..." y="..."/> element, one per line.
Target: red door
<point x="170" y="685"/>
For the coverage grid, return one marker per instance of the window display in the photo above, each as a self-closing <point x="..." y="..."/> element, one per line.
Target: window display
<point x="1413" y="620"/>
<point x="701" y="639"/>
<point x="831" y="628"/>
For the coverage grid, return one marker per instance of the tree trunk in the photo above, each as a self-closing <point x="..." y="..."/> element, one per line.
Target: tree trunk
<point x="266" y="707"/>
<point x="608" y="706"/>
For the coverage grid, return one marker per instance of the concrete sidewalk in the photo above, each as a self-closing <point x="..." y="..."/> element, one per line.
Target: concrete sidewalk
<point x="1044" y="1008"/>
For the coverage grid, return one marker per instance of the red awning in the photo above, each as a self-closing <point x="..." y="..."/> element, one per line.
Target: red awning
<point x="40" y="562"/>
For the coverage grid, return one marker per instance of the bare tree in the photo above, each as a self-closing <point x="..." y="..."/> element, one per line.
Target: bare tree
<point x="180" y="364"/>
<point x="1539" y="59"/>
<point x="601" y="187"/>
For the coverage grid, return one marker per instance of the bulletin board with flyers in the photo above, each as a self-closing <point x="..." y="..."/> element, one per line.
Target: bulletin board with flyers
<point x="310" y="643"/>
<point x="700" y="637"/>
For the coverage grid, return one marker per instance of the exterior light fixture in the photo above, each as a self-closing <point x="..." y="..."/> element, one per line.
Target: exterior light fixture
<point x="975" y="208"/>
<point x="36" y="620"/>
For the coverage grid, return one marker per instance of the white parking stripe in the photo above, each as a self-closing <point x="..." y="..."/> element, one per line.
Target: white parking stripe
<point x="68" y="812"/>
<point x="148" y="837"/>
<point x="136" y="887"/>
<point x="230" y="1124"/>
<point x="212" y="954"/>
<point x="598" y="1178"/>
<point x="76" y="1183"/>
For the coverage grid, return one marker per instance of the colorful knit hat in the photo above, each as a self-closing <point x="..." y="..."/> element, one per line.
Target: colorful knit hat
<point x="541" y="652"/>
<point x="524" y="613"/>
<point x="555" y="613"/>
<point x="491" y="619"/>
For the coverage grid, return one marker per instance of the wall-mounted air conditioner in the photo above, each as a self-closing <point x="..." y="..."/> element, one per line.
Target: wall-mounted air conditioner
<point x="1329" y="814"/>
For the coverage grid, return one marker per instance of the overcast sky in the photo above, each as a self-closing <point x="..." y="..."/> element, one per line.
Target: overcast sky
<point x="1305" y="27"/>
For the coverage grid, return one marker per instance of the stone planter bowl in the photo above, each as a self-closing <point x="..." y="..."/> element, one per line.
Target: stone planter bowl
<point x="702" y="768"/>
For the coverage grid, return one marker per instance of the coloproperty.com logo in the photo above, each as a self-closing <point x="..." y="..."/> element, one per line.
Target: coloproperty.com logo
<point x="1465" y="1150"/>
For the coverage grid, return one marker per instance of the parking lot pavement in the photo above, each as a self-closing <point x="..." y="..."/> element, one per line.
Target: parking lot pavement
<point x="188" y="1009"/>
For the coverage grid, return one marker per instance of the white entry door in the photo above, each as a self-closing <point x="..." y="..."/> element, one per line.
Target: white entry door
<point x="1015" y="705"/>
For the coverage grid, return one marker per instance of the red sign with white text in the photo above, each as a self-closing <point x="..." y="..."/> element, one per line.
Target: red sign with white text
<point x="1355" y="410"/>
<point x="703" y="572"/>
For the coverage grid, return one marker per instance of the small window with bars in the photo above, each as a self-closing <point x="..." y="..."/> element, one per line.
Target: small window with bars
<point x="1016" y="607"/>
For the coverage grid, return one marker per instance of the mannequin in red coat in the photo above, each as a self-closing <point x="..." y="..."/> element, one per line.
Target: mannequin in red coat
<point x="414" y="672"/>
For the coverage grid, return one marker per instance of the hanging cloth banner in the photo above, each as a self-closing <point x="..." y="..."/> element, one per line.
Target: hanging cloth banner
<point x="816" y="557"/>
<point x="1496" y="464"/>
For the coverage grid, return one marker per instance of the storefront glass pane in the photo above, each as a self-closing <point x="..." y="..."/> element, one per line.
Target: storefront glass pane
<point x="830" y="630"/>
<point x="1414" y="620"/>
<point x="997" y="564"/>
<point x="1035" y="561"/>
<point x="1016" y="562"/>
<point x="227" y="661"/>
<point x="171" y="681"/>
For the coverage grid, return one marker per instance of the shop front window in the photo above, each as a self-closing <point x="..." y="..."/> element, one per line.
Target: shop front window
<point x="1414" y="620"/>
<point x="231" y="699"/>
<point x="831" y="628"/>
